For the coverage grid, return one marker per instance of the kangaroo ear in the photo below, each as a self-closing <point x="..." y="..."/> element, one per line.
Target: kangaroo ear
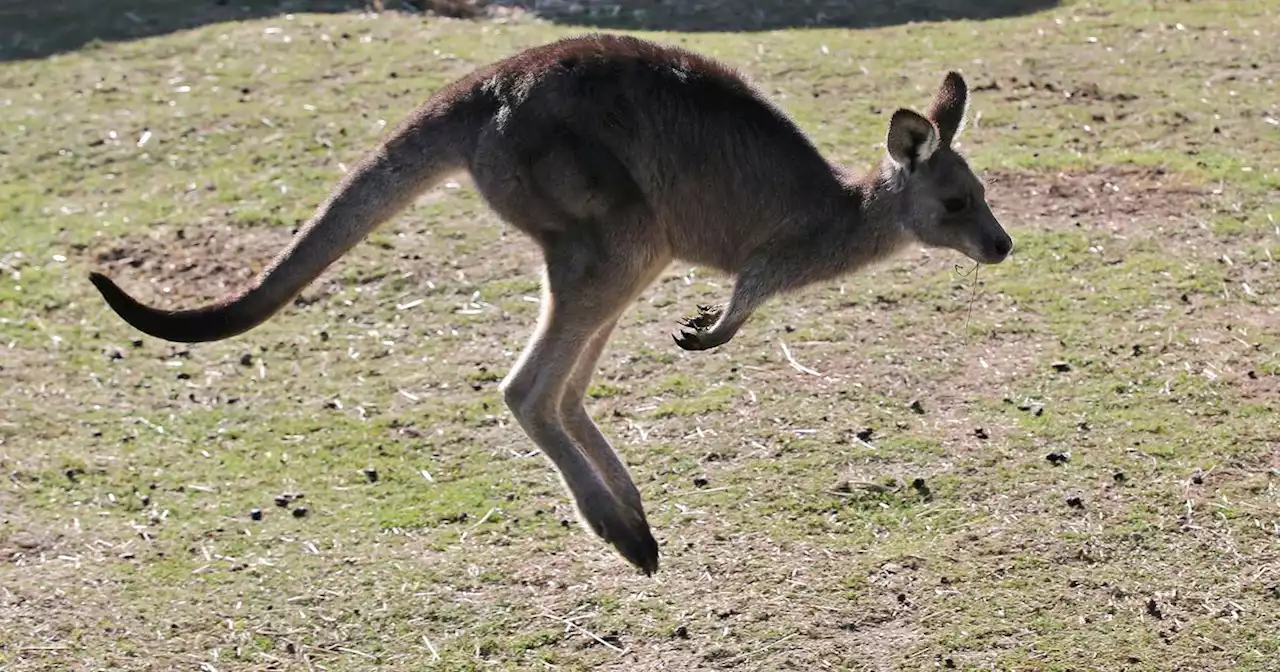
<point x="948" y="106"/>
<point x="912" y="139"/>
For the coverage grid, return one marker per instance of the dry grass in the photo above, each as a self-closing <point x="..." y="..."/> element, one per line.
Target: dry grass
<point x="896" y="510"/>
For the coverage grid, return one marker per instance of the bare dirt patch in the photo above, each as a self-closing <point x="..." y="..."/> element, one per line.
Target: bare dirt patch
<point x="1123" y="198"/>
<point x="196" y="262"/>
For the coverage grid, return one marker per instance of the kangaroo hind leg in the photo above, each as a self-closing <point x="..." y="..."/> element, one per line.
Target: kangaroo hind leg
<point x="587" y="433"/>
<point x="584" y="292"/>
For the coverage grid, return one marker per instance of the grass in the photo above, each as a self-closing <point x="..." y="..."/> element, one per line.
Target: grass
<point x="897" y="511"/>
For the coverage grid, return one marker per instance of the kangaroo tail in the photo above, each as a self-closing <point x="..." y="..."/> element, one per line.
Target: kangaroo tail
<point x="420" y="152"/>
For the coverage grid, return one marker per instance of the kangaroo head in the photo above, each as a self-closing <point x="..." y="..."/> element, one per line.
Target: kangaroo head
<point x="944" y="203"/>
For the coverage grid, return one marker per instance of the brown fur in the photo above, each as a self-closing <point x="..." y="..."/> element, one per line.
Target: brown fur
<point x="616" y="156"/>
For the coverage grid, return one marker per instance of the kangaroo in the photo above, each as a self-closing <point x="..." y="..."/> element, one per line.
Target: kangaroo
<point x="616" y="156"/>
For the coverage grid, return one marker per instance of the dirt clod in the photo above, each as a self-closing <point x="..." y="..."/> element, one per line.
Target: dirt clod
<point x="864" y="435"/>
<point x="681" y="632"/>
<point x="917" y="407"/>
<point x="1119" y="477"/>
<point x="700" y="481"/>
<point x="1058" y="458"/>
<point x="1075" y="502"/>
<point x="371" y="474"/>
<point x="300" y="512"/>
<point x="1061" y="367"/>
<point x="1153" y="608"/>
<point x="981" y="433"/>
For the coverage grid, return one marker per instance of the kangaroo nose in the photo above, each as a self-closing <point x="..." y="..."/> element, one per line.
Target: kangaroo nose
<point x="1004" y="246"/>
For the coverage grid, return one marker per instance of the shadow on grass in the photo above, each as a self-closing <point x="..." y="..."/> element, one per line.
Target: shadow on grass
<point x="40" y="28"/>
<point x="760" y="15"/>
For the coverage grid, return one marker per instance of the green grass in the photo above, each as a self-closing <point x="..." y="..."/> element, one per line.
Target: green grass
<point x="1133" y="329"/>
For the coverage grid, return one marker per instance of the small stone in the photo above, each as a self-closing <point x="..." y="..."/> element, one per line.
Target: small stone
<point x="917" y="407"/>
<point x="137" y="342"/>
<point x="1119" y="477"/>
<point x="246" y="359"/>
<point x="864" y="435"/>
<point x="700" y="481"/>
<point x="115" y="353"/>
<point x="282" y="500"/>
<point x="1061" y="367"/>
<point x="300" y="512"/>
<point x="146" y="500"/>
<point x="981" y="433"/>
<point x="564" y="522"/>
<point x="1075" y="502"/>
<point x="255" y="514"/>
<point x="681" y="632"/>
<point x="371" y="474"/>
<point x="1198" y="479"/>
<point x="1031" y="407"/>
<point x="1058" y="458"/>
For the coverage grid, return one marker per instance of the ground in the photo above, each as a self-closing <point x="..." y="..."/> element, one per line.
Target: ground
<point x="1070" y="461"/>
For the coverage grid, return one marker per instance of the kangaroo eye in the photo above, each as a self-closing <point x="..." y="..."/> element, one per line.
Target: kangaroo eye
<point x="955" y="204"/>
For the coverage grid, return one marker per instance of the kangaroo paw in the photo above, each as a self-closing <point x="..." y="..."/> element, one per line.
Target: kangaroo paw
<point x="693" y="335"/>
<point x="707" y="316"/>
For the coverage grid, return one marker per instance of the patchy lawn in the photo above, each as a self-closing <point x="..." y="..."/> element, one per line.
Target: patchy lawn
<point x="1070" y="461"/>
